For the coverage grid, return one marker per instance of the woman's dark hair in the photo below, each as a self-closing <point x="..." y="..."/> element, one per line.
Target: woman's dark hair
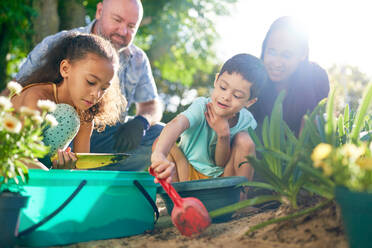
<point x="307" y="85"/>
<point x="75" y="46"/>
<point x="250" y="68"/>
<point x="289" y="24"/>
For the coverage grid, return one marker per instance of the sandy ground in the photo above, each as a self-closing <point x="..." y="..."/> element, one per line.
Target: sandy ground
<point x="320" y="229"/>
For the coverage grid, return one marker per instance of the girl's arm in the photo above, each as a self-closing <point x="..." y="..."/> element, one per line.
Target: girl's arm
<point x="82" y="138"/>
<point x="221" y="126"/>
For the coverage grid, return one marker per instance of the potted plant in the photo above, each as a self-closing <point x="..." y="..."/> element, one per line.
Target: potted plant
<point x="350" y="168"/>
<point x="21" y="144"/>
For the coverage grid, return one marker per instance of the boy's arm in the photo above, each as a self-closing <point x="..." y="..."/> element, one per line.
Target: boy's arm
<point x="221" y="126"/>
<point x="168" y="137"/>
<point x="170" y="134"/>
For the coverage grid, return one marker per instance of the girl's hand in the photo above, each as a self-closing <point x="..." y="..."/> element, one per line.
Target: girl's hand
<point x="219" y="124"/>
<point x="65" y="160"/>
<point x="163" y="168"/>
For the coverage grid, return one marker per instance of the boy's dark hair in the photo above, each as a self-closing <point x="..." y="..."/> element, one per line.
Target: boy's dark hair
<point x="250" y="68"/>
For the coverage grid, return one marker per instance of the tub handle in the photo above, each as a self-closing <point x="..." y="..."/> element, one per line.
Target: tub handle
<point x="148" y="198"/>
<point x="55" y="212"/>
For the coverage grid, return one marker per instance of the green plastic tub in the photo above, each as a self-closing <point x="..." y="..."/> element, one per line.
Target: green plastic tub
<point x="108" y="206"/>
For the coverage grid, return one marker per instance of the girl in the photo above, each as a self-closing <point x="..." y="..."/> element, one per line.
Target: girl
<point x="285" y="52"/>
<point x="77" y="74"/>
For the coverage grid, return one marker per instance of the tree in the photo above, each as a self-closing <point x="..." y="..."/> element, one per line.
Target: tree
<point x="178" y="36"/>
<point x="15" y="34"/>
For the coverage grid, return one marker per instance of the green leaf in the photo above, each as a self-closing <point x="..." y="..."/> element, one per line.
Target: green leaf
<point x="319" y="189"/>
<point x="330" y="130"/>
<point x="275" y="121"/>
<point x="316" y="174"/>
<point x="265" y="133"/>
<point x="243" y="204"/>
<point x="320" y="126"/>
<point x="346" y="118"/>
<point x="340" y="124"/>
<point x="255" y="138"/>
<point x="258" y="185"/>
<point x="266" y="173"/>
<point x="361" y="114"/>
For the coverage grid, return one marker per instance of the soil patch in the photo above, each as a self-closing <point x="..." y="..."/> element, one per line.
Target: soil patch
<point x="320" y="229"/>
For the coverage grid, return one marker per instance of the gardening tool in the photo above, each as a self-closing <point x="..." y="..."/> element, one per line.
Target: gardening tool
<point x="189" y="214"/>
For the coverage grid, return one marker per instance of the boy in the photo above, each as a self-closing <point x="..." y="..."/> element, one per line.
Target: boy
<point x="214" y="138"/>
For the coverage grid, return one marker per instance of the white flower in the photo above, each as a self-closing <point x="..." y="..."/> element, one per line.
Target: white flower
<point x="37" y="119"/>
<point x="46" y="105"/>
<point x="51" y="120"/>
<point x="14" y="87"/>
<point x="5" y="103"/>
<point x="28" y="111"/>
<point x="12" y="124"/>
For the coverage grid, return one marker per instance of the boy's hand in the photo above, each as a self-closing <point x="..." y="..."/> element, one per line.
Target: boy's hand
<point x="163" y="168"/>
<point x="219" y="124"/>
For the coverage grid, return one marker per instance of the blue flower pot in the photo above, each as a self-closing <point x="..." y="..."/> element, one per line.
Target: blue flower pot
<point x="356" y="209"/>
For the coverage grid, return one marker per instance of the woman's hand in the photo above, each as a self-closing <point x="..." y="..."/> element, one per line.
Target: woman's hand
<point x="163" y="168"/>
<point x="65" y="160"/>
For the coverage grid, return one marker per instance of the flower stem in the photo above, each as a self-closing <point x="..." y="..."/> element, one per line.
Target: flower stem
<point x="287" y="217"/>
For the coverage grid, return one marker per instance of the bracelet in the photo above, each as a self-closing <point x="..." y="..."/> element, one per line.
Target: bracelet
<point x="146" y="124"/>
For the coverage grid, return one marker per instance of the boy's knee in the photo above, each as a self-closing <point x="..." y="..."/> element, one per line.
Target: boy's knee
<point x="244" y="141"/>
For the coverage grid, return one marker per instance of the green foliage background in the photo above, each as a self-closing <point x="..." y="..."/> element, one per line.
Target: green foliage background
<point x="177" y="35"/>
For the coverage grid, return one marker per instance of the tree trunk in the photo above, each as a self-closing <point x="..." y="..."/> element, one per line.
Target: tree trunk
<point x="47" y="20"/>
<point x="72" y="14"/>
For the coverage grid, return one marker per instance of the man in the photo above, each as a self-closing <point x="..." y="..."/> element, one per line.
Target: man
<point x="118" y="21"/>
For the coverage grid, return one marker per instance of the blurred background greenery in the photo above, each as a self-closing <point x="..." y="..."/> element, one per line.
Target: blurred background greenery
<point x="178" y="36"/>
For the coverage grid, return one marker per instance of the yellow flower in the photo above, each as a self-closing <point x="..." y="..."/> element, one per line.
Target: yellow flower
<point x="365" y="163"/>
<point x="352" y="151"/>
<point x="318" y="164"/>
<point x="12" y="124"/>
<point x="321" y="152"/>
<point x="327" y="170"/>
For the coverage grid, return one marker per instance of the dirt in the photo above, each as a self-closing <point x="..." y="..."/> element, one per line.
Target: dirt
<point x="322" y="228"/>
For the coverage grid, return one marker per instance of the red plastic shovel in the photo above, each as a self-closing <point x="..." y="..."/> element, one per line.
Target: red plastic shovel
<point x="189" y="214"/>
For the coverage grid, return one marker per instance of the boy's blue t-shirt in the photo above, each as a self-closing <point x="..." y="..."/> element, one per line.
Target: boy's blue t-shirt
<point x="198" y="142"/>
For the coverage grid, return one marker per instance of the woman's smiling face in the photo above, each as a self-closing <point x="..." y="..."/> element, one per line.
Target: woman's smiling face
<point x="282" y="55"/>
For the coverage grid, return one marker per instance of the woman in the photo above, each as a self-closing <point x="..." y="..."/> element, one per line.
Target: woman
<point x="285" y="52"/>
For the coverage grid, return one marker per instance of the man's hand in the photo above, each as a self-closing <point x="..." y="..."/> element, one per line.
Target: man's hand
<point x="219" y="124"/>
<point x="129" y="135"/>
